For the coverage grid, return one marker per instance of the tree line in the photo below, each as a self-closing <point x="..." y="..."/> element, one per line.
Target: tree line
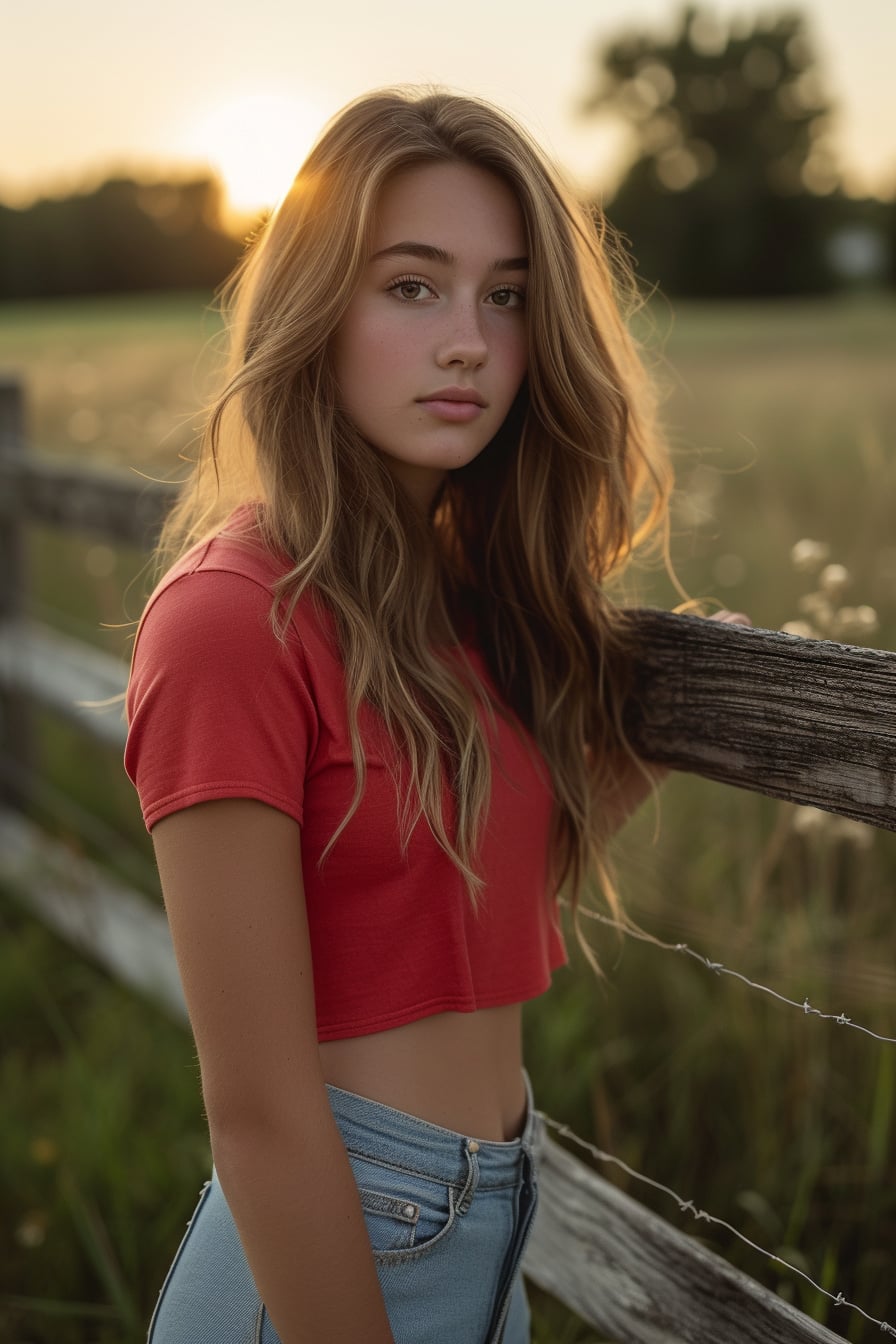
<point x="124" y="236"/>
<point x="731" y="189"/>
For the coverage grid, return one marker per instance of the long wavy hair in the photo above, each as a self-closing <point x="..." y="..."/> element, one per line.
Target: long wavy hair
<point x="518" y="544"/>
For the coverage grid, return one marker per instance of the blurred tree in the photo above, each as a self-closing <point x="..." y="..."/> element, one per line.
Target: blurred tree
<point x="732" y="187"/>
<point x="123" y="236"/>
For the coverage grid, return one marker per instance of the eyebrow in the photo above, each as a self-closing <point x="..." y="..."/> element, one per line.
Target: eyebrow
<point x="426" y="252"/>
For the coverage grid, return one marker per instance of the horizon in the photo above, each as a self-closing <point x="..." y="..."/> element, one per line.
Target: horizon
<point x="247" y="115"/>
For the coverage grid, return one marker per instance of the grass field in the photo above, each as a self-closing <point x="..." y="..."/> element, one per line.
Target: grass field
<point x="782" y="424"/>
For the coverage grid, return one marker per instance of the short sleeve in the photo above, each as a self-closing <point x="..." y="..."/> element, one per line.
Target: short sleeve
<point x="217" y="706"/>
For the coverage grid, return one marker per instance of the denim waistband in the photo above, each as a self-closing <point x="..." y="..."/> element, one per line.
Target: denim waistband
<point x="385" y="1134"/>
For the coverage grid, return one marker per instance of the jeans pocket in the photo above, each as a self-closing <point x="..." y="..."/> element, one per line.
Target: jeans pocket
<point x="405" y="1212"/>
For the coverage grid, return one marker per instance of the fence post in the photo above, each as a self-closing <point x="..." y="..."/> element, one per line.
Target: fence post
<point x="16" y="715"/>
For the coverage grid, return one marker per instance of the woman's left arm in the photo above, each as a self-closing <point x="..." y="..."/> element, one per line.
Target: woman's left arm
<point x="634" y="784"/>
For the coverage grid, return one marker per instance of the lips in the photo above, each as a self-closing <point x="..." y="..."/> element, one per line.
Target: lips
<point x="456" y="411"/>
<point x="463" y="395"/>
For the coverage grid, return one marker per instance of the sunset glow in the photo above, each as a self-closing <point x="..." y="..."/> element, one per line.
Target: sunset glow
<point x="256" y="143"/>
<point x="245" y="100"/>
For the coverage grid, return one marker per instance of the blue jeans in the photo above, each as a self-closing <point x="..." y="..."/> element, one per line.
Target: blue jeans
<point x="448" y="1218"/>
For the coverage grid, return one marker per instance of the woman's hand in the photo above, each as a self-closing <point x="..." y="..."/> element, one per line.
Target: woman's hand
<point x="731" y="618"/>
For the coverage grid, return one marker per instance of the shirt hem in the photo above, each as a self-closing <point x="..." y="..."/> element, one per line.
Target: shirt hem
<point x="175" y="802"/>
<point x="369" y="1025"/>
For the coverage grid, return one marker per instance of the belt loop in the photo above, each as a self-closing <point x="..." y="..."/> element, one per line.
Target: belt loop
<point x="535" y="1144"/>
<point x="471" y="1148"/>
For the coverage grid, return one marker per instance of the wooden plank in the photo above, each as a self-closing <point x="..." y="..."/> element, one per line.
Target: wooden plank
<point x="117" y="505"/>
<point x="638" y="1279"/>
<point x="808" y="720"/>
<point x="104" y="919"/>
<point x="67" y="676"/>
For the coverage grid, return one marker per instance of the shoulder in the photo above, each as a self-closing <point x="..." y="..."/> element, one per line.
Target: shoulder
<point x="206" y="633"/>
<point x="223" y="589"/>
<point x="217" y="704"/>
<point x="233" y="563"/>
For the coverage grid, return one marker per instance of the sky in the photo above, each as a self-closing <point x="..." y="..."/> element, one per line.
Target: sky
<point x="106" y="86"/>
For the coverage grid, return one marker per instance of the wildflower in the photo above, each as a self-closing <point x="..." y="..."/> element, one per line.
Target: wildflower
<point x="855" y="622"/>
<point x="801" y="628"/>
<point x="807" y="820"/>
<point x="818" y="608"/>
<point x="866" y="619"/>
<point x="808" y="556"/>
<point x="833" y="580"/>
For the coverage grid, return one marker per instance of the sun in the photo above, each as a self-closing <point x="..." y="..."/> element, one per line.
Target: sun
<point x="256" y="143"/>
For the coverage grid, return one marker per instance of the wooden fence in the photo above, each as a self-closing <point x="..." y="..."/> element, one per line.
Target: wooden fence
<point x="805" y="720"/>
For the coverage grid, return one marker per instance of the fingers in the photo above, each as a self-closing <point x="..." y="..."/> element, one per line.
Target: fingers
<point x="731" y="618"/>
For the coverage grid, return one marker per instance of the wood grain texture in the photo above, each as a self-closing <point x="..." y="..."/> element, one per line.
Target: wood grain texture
<point x="637" y="1278"/>
<point x="808" y="720"/>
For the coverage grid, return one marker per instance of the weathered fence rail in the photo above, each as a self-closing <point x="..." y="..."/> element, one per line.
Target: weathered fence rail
<point x="805" y="720"/>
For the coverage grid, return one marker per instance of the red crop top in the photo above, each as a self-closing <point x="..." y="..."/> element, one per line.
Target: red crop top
<point x="217" y="708"/>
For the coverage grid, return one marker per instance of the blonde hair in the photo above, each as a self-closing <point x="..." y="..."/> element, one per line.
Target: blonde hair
<point x="521" y="540"/>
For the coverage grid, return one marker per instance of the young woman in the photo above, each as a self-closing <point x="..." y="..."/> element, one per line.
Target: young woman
<point x="375" y="720"/>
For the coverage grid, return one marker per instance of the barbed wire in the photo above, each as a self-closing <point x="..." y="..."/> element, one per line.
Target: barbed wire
<point x="805" y="1006"/>
<point x="688" y="1206"/>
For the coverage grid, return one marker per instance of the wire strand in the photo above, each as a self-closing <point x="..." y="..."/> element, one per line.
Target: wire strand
<point x="716" y="966"/>
<point x="688" y="1206"/>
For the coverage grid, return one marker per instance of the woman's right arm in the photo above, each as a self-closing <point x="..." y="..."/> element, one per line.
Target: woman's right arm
<point x="231" y="876"/>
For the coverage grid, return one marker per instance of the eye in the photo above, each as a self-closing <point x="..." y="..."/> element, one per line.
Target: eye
<point x="404" y="288"/>
<point x="508" y="297"/>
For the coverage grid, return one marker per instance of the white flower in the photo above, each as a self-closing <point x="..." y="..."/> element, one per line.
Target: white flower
<point x="801" y="628"/>
<point x="833" y="580"/>
<point x="866" y="618"/>
<point x="819" y="610"/>
<point x="808" y="556"/>
<point x="856" y="622"/>
<point x="807" y="820"/>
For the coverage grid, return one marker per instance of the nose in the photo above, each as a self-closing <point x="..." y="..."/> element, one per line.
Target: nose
<point x="463" y="342"/>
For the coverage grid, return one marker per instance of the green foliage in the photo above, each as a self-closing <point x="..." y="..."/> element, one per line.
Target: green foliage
<point x="744" y="103"/>
<point x="731" y="189"/>
<point x="103" y="1145"/>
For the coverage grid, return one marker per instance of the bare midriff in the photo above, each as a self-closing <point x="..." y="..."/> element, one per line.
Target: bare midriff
<point x="462" y="1071"/>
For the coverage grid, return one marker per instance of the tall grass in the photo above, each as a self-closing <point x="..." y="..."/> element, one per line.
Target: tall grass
<point x="102" y="1145"/>
<point x="771" y="1119"/>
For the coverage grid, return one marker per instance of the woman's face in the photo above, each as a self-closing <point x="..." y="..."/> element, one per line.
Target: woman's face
<point x="440" y="309"/>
